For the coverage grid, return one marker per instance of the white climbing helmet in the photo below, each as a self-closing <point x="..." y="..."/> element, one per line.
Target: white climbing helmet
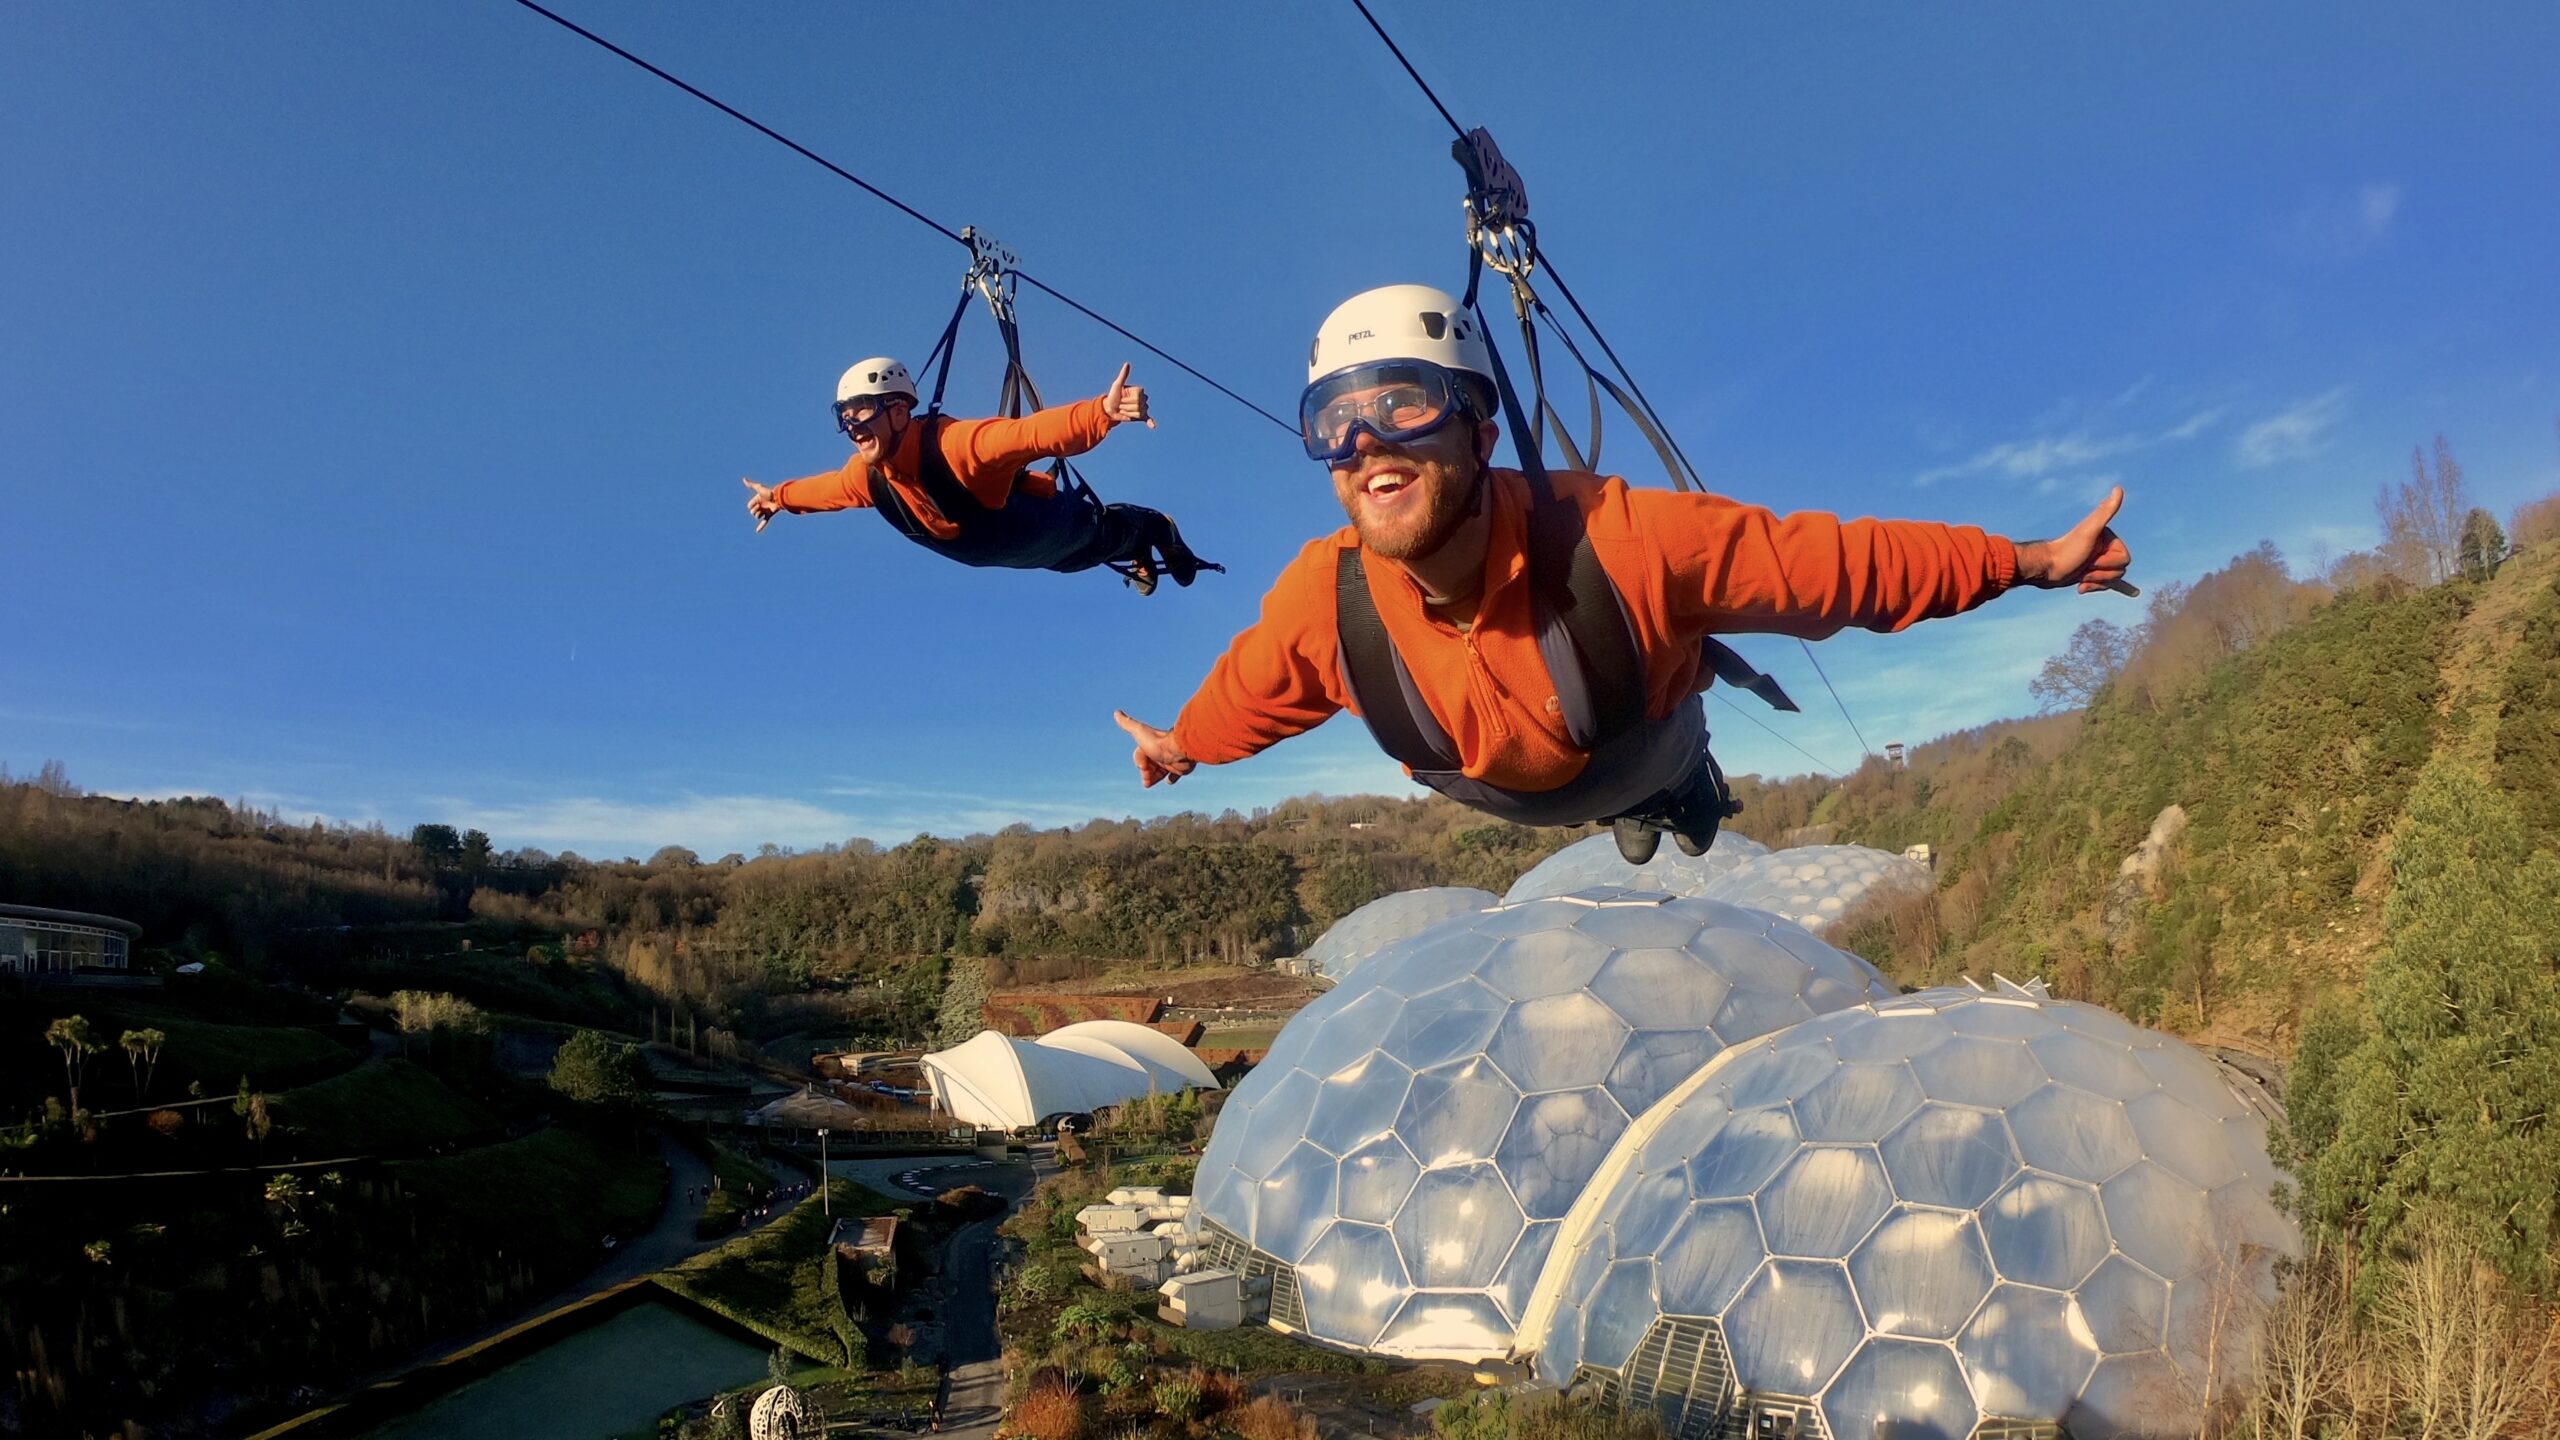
<point x="878" y="375"/>
<point x="1400" y="322"/>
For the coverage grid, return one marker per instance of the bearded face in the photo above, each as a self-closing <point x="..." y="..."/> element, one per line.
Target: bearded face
<point x="1407" y="499"/>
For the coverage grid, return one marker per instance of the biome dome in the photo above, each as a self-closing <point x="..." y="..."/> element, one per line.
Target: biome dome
<point x="1351" y="940"/>
<point x="1402" y="1157"/>
<point x="1950" y="1208"/>
<point x="1814" y="885"/>
<point x="1596" y="861"/>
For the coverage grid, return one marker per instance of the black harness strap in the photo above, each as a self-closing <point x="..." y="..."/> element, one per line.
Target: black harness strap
<point x="1369" y="656"/>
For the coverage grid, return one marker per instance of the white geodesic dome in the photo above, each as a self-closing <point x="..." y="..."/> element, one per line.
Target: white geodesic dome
<point x="1814" y="885"/>
<point x="1401" y="1159"/>
<point x="1364" y="932"/>
<point x="1595" y="861"/>
<point x="1947" y="1209"/>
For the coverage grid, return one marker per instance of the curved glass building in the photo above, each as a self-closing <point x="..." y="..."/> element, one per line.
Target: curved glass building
<point x="1351" y="940"/>
<point x="1595" y="861"/>
<point x="1400" y="1162"/>
<point x="1814" y="885"/>
<point x="1951" y="1214"/>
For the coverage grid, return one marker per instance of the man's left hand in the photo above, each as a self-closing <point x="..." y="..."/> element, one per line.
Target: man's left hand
<point x="2090" y="555"/>
<point x="1124" y="401"/>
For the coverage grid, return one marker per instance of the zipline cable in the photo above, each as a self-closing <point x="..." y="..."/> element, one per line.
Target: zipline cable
<point x="1824" y="765"/>
<point x="936" y="226"/>
<point x="1633" y="386"/>
<point x="1835" y="698"/>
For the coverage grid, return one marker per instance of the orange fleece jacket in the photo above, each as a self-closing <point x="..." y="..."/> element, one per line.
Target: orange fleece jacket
<point x="1687" y="566"/>
<point x="986" y="456"/>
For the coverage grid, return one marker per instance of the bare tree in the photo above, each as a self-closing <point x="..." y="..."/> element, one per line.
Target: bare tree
<point x="2422" y="518"/>
<point x="2305" y="1353"/>
<point x="2070" y="680"/>
<point x="2468" y="1360"/>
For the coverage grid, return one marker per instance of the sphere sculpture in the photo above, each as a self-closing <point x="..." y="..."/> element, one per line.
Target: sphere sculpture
<point x="1399" y="1162"/>
<point x="1364" y="932"/>
<point x="1595" y="861"/>
<point x="783" y="1413"/>
<point x="1951" y="1209"/>
<point x="1814" y="885"/>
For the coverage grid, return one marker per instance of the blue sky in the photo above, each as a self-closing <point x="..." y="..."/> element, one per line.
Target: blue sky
<point x="378" y="379"/>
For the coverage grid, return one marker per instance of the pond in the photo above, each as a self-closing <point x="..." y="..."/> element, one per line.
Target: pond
<point x="614" y="1378"/>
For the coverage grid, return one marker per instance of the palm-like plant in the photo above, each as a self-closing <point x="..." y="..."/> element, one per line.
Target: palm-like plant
<point x="142" y="1052"/>
<point x="71" y="1034"/>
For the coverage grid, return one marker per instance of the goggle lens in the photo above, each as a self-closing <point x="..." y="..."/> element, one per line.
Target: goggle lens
<point x="1405" y="400"/>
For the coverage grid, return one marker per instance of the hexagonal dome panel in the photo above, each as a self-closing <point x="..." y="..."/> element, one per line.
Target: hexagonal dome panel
<point x="1814" y="885"/>
<point x="1353" y="939"/>
<point x="1455" y="1094"/>
<point x="1927" y="1213"/>
<point x="1595" y="861"/>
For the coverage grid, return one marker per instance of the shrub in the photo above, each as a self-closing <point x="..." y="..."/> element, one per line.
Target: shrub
<point x="1052" y="1411"/>
<point x="1220" y="1390"/>
<point x="1485" y="1415"/>
<point x="1042" y="1282"/>
<point x="1177" y="1399"/>
<point x="1272" y="1418"/>
<point x="1085" y="1322"/>
<point x="1554" y="1417"/>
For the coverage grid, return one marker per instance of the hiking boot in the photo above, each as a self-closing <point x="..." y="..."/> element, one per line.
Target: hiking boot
<point x="1637" y="840"/>
<point x="1179" y="561"/>
<point x="1700" y="809"/>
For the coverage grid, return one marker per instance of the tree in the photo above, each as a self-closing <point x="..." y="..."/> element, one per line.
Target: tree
<point x="2535" y="522"/>
<point x="73" y="1037"/>
<point x="2483" y="546"/>
<point x="2072" y="679"/>
<point x="2445" y="1103"/>
<point x="142" y="1052"/>
<point x="591" y="1069"/>
<point x="438" y="845"/>
<point x="2422" y="518"/>
<point x="474" y="850"/>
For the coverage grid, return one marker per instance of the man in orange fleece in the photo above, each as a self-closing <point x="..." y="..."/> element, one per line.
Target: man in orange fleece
<point x="961" y="488"/>
<point x="1489" y="698"/>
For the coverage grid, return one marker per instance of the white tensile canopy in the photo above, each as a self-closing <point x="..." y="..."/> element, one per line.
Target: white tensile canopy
<point x="1001" y="1082"/>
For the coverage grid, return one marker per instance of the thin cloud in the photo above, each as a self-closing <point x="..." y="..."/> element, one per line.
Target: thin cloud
<point x="2196" y="424"/>
<point x="2337" y="225"/>
<point x="2035" y="459"/>
<point x="2292" y="434"/>
<point x="708" y="824"/>
<point x="2072" y="436"/>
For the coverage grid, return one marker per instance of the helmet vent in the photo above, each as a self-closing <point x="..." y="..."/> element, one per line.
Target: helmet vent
<point x="1434" y="324"/>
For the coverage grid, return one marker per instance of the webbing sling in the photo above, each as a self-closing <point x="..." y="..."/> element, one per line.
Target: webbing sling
<point x="1613" y="671"/>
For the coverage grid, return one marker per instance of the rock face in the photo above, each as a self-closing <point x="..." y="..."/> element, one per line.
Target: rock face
<point x="2138" y="878"/>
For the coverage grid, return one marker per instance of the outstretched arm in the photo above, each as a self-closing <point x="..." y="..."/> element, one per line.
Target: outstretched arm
<point x="845" y="489"/>
<point x="987" y="454"/>
<point x="1280" y="677"/>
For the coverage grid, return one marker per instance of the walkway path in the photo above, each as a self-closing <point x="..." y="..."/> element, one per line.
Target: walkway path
<point x="973" y="1399"/>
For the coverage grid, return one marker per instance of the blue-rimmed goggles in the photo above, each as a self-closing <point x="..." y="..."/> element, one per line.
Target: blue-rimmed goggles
<point x="1394" y="400"/>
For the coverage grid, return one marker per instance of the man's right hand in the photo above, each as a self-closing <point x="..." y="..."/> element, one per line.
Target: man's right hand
<point x="763" y="502"/>
<point x="1157" y="757"/>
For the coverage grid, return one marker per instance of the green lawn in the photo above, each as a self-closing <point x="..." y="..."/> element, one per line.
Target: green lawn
<point x="215" y="1054"/>
<point x="556" y="1188"/>
<point x="772" y="1280"/>
<point x="390" y="1108"/>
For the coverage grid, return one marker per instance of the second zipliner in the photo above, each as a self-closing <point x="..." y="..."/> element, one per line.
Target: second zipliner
<point x="965" y="489"/>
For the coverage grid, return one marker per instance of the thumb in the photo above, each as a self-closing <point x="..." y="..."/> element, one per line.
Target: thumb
<point x="1137" y="730"/>
<point x="1122" y="378"/>
<point x="2105" y="514"/>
